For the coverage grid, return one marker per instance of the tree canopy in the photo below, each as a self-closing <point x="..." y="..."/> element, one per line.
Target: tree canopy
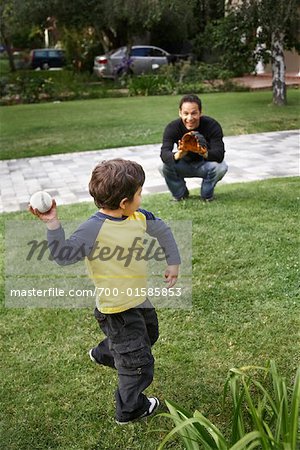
<point x="236" y="35"/>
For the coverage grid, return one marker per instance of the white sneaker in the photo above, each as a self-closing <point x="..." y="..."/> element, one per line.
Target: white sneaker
<point x="91" y="356"/>
<point x="154" y="404"/>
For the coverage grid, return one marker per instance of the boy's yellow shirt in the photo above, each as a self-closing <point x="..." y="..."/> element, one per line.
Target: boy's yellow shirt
<point x="115" y="265"/>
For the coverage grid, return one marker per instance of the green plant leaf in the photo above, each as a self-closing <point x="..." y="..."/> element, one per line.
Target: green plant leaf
<point x="256" y="419"/>
<point x="252" y="438"/>
<point x="295" y="406"/>
<point x="191" y="437"/>
<point x="213" y="431"/>
<point x="238" y="429"/>
<point x="193" y="430"/>
<point x="178" y="410"/>
<point x="180" y="416"/>
<point x="267" y="395"/>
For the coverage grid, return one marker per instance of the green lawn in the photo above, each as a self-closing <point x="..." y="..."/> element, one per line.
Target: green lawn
<point x="42" y="129"/>
<point x="246" y="310"/>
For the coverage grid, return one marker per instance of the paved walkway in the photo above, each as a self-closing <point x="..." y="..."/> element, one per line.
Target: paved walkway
<point x="264" y="81"/>
<point x="66" y="176"/>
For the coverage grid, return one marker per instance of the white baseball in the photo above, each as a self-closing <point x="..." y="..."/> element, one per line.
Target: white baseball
<point x="41" y="200"/>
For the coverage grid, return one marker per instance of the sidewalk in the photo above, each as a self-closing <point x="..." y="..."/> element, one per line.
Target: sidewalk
<point x="264" y="81"/>
<point x="66" y="176"/>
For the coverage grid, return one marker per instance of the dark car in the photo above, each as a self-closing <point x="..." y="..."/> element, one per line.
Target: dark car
<point x="47" y="58"/>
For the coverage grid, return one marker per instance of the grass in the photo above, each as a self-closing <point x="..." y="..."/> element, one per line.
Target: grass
<point x="42" y="129"/>
<point x="246" y="310"/>
<point x="265" y="415"/>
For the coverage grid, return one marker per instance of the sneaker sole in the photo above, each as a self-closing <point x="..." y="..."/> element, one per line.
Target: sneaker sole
<point x="91" y="356"/>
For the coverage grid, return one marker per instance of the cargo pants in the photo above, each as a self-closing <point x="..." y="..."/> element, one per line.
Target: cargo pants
<point x="127" y="347"/>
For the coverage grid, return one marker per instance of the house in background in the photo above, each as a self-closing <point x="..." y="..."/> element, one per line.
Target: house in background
<point x="292" y="64"/>
<point x="291" y="58"/>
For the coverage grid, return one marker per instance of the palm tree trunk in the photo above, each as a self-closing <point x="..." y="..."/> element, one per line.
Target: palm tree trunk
<point x="278" y="69"/>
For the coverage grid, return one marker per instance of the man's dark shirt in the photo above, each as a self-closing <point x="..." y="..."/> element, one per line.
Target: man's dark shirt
<point x="208" y="127"/>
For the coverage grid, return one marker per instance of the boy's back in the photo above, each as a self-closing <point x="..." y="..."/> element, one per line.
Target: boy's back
<point x="113" y="244"/>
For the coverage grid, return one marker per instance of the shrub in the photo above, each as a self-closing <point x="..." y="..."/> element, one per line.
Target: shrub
<point x="187" y="72"/>
<point x="182" y="71"/>
<point x="182" y="78"/>
<point x="37" y="86"/>
<point x="150" y="85"/>
<point x="200" y="77"/>
<point x="263" y="417"/>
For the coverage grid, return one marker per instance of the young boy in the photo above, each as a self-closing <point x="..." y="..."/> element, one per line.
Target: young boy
<point x="112" y="242"/>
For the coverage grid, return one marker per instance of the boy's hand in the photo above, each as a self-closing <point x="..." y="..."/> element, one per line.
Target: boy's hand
<point x="49" y="218"/>
<point x="171" y="275"/>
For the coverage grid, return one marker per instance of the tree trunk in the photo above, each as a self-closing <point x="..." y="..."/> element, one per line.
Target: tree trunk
<point x="278" y="69"/>
<point x="8" y="48"/>
<point x="10" y="55"/>
<point x="108" y="39"/>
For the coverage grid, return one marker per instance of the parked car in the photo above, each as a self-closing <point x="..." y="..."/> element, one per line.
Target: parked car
<point x="46" y="58"/>
<point x="141" y="59"/>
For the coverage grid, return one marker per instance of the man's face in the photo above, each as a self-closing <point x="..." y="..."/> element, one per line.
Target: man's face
<point x="190" y="115"/>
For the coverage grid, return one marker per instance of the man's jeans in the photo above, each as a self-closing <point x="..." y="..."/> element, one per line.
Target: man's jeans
<point x="127" y="347"/>
<point x="210" y="171"/>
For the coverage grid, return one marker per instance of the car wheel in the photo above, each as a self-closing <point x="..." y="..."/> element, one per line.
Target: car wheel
<point x="45" y="66"/>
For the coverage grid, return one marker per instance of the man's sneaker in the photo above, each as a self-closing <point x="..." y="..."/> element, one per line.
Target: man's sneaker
<point x="91" y="355"/>
<point x="154" y="404"/>
<point x="207" y="200"/>
<point x="184" y="197"/>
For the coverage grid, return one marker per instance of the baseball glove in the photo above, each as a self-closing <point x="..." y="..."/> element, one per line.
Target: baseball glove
<point x="193" y="142"/>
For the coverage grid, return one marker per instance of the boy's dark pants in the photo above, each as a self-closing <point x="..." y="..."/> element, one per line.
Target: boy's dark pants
<point x="130" y="335"/>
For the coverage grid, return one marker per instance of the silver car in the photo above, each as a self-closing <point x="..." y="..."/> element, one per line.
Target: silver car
<point x="141" y="59"/>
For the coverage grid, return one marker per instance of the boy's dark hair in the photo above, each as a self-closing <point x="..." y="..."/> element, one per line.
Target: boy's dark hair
<point x="191" y="98"/>
<point x="113" y="180"/>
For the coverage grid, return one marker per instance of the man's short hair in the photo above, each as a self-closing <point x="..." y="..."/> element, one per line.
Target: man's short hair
<point x="113" y="180"/>
<point x="191" y="98"/>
